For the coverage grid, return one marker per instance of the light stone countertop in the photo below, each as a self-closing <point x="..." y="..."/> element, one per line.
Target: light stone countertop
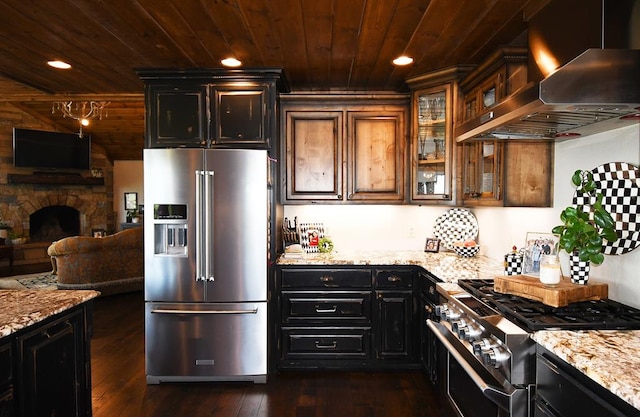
<point x="609" y="357"/>
<point x="23" y="308"/>
<point x="447" y="266"/>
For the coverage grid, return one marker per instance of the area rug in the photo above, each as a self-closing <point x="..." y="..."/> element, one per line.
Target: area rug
<point x="38" y="281"/>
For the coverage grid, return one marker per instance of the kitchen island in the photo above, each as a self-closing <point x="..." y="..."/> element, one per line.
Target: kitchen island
<point x="45" y="352"/>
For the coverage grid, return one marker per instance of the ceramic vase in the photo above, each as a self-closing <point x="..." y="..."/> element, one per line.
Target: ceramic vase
<point x="579" y="270"/>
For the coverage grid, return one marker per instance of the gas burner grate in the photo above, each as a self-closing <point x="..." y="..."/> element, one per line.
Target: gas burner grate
<point x="534" y="315"/>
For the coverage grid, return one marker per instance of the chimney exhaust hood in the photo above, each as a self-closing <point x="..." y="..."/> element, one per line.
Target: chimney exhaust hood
<point x="596" y="90"/>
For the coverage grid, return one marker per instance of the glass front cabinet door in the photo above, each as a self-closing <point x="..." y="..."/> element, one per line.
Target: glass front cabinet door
<point x="482" y="162"/>
<point x="431" y="145"/>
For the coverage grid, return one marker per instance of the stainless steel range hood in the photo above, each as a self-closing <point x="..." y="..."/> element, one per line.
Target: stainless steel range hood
<point x="596" y="91"/>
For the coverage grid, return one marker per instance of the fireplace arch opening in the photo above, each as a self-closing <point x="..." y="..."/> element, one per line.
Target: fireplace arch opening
<point x="53" y="223"/>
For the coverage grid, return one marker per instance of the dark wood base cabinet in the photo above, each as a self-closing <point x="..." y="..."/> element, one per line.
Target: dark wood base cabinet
<point x="347" y="318"/>
<point x="45" y="368"/>
<point x="563" y="391"/>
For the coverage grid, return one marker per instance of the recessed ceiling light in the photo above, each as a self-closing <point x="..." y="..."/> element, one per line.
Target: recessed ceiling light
<point x="231" y="62"/>
<point x="58" y="64"/>
<point x="403" y="60"/>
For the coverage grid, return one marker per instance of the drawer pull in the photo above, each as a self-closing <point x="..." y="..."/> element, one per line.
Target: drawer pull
<point x="326" y="310"/>
<point x="320" y="345"/>
<point x="327" y="280"/>
<point x="394" y="278"/>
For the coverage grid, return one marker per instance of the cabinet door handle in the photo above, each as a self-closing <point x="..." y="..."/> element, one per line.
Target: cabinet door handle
<point x="326" y="310"/>
<point x="320" y="345"/>
<point x="394" y="278"/>
<point x="63" y="330"/>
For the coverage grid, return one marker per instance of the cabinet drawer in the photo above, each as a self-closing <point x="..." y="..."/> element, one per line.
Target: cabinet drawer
<point x="394" y="278"/>
<point x="569" y="397"/>
<point x="326" y="343"/>
<point x="326" y="278"/>
<point x="326" y="306"/>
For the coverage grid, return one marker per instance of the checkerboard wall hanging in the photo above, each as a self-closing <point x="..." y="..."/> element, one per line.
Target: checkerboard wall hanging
<point x="619" y="183"/>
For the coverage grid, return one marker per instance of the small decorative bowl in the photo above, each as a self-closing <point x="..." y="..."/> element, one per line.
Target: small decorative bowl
<point x="466" y="251"/>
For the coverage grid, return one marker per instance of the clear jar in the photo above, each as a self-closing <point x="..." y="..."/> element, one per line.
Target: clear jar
<point x="550" y="270"/>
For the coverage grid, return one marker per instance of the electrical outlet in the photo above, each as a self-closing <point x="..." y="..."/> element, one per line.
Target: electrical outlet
<point x="412" y="232"/>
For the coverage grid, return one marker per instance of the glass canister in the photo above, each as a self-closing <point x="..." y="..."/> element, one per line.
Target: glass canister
<point x="550" y="270"/>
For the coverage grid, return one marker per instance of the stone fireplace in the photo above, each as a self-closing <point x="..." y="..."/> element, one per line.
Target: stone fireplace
<point x="48" y="212"/>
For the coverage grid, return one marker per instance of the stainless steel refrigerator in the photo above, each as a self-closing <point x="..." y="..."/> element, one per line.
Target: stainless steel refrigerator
<point x="206" y="232"/>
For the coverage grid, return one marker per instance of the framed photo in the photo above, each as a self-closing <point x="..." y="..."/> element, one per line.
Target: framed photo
<point x="536" y="245"/>
<point x="141" y="209"/>
<point x="432" y="245"/>
<point x="310" y="235"/>
<point x="98" y="232"/>
<point x="130" y="201"/>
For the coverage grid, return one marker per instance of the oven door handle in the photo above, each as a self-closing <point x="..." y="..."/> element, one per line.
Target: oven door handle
<point x="501" y="398"/>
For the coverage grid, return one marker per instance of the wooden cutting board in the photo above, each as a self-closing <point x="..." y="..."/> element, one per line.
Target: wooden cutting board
<point x="556" y="296"/>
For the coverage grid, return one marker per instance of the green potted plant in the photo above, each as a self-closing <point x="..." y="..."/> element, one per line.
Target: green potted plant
<point x="582" y="234"/>
<point x="133" y="215"/>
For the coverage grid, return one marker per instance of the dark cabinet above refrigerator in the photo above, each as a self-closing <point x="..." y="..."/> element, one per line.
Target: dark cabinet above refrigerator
<point x="212" y="108"/>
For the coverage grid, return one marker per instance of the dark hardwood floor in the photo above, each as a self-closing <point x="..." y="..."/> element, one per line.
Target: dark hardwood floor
<point x="120" y="390"/>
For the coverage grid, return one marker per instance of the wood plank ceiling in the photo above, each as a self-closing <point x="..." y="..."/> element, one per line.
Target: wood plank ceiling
<point x="323" y="45"/>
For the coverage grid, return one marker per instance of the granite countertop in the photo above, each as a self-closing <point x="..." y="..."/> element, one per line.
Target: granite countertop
<point x="609" y="357"/>
<point x="447" y="266"/>
<point x="22" y="308"/>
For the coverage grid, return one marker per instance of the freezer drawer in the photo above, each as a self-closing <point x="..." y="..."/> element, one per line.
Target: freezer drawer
<point x="206" y="342"/>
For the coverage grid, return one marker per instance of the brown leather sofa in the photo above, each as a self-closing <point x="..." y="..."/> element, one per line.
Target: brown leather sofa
<point x="112" y="264"/>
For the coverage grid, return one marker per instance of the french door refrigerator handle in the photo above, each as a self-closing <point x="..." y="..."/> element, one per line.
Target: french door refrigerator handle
<point x="200" y="269"/>
<point x="208" y="224"/>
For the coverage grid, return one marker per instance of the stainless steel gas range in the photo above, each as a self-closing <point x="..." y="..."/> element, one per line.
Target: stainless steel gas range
<point x="487" y="357"/>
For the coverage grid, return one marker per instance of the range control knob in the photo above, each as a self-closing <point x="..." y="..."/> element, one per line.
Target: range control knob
<point x="456" y="325"/>
<point x="440" y="309"/>
<point x="470" y="333"/>
<point x="494" y="356"/>
<point x="450" y="315"/>
<point x="481" y="345"/>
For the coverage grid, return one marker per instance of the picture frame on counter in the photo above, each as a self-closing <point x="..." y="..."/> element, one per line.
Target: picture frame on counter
<point x="432" y="245"/>
<point x="536" y="245"/>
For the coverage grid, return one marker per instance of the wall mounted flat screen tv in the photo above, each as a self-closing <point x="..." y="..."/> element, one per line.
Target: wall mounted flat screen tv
<point x="50" y="150"/>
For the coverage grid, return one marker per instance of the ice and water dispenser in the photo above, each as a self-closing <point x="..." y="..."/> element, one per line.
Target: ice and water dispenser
<point x="170" y="229"/>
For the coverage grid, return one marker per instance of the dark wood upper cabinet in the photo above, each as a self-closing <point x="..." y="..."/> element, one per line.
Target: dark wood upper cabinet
<point x="176" y="116"/>
<point x="212" y="107"/>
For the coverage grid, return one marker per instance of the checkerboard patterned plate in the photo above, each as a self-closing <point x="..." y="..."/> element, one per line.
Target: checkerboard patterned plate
<point x="619" y="184"/>
<point x="455" y="225"/>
